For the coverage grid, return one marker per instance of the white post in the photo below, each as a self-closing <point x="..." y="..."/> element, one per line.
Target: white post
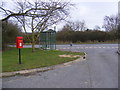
<point x="119" y="9"/>
<point x="118" y="24"/>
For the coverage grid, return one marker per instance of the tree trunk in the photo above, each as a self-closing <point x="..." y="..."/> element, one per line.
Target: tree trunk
<point x="33" y="42"/>
<point x="33" y="36"/>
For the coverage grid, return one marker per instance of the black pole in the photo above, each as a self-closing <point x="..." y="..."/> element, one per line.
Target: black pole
<point x="19" y="56"/>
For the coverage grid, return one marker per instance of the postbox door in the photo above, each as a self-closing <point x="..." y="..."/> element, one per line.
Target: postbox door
<point x="19" y="42"/>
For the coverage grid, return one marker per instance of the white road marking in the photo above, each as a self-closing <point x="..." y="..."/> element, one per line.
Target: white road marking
<point x="90" y="47"/>
<point x="86" y="47"/>
<point x="81" y="47"/>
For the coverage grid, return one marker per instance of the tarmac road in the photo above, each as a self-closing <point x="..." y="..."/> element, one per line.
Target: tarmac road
<point x="99" y="70"/>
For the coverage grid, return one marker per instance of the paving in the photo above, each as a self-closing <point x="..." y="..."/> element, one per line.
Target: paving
<point x="99" y="70"/>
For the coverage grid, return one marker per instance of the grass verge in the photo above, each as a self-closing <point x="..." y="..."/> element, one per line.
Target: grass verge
<point x="30" y="60"/>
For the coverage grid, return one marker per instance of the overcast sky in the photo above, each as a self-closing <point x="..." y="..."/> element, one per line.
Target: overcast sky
<point x="92" y="11"/>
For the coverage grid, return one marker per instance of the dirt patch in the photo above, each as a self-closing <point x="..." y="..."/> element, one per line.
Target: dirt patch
<point x="69" y="56"/>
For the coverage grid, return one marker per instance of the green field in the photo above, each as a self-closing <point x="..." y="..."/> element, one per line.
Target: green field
<point x="40" y="58"/>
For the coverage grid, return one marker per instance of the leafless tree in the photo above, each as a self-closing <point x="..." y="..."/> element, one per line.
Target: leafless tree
<point x="77" y="25"/>
<point x="37" y="15"/>
<point x="96" y="27"/>
<point x="111" y="23"/>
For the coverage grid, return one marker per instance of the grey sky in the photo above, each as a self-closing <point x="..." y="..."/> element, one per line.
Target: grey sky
<point x="92" y="12"/>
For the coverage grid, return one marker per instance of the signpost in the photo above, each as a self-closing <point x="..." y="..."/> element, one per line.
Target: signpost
<point x="19" y="45"/>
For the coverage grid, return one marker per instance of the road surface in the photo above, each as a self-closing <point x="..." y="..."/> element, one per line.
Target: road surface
<point x="99" y="70"/>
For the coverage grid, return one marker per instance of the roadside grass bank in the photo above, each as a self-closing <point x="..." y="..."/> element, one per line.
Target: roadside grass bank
<point x="38" y="59"/>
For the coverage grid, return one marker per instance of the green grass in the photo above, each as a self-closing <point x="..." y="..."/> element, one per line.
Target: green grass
<point x="30" y="60"/>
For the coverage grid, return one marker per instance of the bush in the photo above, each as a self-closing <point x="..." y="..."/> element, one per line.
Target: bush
<point x="85" y="36"/>
<point x="9" y="33"/>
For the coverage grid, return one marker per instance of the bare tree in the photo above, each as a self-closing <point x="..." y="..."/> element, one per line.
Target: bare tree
<point x="97" y="27"/>
<point x="111" y="23"/>
<point x="38" y="15"/>
<point x="77" y="25"/>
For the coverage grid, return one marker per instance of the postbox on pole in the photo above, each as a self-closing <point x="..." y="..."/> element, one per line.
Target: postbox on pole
<point x="19" y="44"/>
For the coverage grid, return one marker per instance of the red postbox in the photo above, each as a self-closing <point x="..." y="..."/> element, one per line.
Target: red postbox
<point x="19" y="42"/>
